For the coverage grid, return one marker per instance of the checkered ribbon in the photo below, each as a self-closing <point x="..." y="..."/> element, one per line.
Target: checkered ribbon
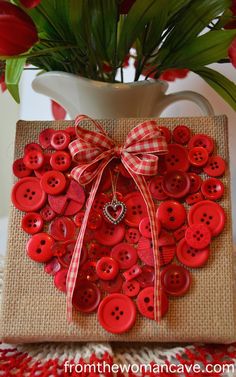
<point x="93" y="151"/>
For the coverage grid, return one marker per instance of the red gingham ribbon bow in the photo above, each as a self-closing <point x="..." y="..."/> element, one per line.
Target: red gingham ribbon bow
<point x="93" y="151"/>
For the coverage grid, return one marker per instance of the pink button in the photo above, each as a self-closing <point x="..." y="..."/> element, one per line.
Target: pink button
<point x="125" y="255"/>
<point x="62" y="228"/>
<point x="202" y="140"/>
<point x="60" y="140"/>
<point x="176" y="183"/>
<point x="27" y="195"/>
<point x="172" y="214"/>
<point x="131" y="288"/>
<point x="181" y="134"/>
<point x="190" y="256"/>
<point x="60" y="280"/>
<point x="215" y="166"/>
<point x="177" y="158"/>
<point x="136" y="209"/>
<point x="52" y="267"/>
<point x="155" y="187"/>
<point x="198" y="156"/>
<point x="212" y="189"/>
<point x="45" y="137"/>
<point x="107" y="268"/>
<point x="19" y="169"/>
<point x="39" y="247"/>
<point x="132" y="235"/>
<point x="132" y="273"/>
<point x="86" y="296"/>
<point x="110" y="234"/>
<point x="198" y="236"/>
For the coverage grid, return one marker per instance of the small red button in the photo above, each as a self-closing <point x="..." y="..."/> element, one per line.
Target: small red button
<point x="194" y="198"/>
<point x="107" y="268"/>
<point x="165" y="132"/>
<point x="97" y="251"/>
<point x="176" y="183"/>
<point x="117" y="313"/>
<point x="202" y="140"/>
<point x="212" y="188"/>
<point x="47" y="213"/>
<point x="45" y="138"/>
<point x="136" y="209"/>
<point x="181" y="134"/>
<point x="86" y="296"/>
<point x="34" y="160"/>
<point x="132" y="273"/>
<point x="172" y="214"/>
<point x="19" y="169"/>
<point x="145" y="228"/>
<point x="27" y="195"/>
<point x="131" y="288"/>
<point x="60" y="160"/>
<point x="88" y="271"/>
<point x="155" y="187"/>
<point x="62" y="228"/>
<point x="175" y="280"/>
<point x="208" y="213"/>
<point x="198" y="156"/>
<point x="195" y="182"/>
<point x="132" y="235"/>
<point x="110" y="234"/>
<point x="215" y="166"/>
<point x="146" y="278"/>
<point x="32" y="223"/>
<point x="39" y="247"/>
<point x="60" y="280"/>
<point x="125" y="255"/>
<point x="112" y="286"/>
<point x="32" y="147"/>
<point x="52" y="266"/>
<point x="145" y="303"/>
<point x="198" y="236"/>
<point x="53" y="182"/>
<point x="190" y="256"/>
<point x="177" y="158"/>
<point x="60" y="140"/>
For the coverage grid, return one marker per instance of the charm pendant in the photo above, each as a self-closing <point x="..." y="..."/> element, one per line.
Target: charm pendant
<point x="114" y="211"/>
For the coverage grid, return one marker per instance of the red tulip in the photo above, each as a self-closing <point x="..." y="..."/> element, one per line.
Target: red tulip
<point x="232" y="53"/>
<point x="126" y="5"/>
<point x="17" y="30"/>
<point x="58" y="112"/>
<point x="173" y="74"/>
<point x="2" y="83"/>
<point x="30" y="3"/>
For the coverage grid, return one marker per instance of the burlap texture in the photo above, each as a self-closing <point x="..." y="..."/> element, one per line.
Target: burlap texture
<point x="34" y="311"/>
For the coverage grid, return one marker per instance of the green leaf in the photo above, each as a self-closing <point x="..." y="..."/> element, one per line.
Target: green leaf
<point x="223" y="86"/>
<point x="14" y="69"/>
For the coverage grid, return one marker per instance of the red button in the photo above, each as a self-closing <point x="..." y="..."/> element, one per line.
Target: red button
<point x="176" y="183"/>
<point x="208" y="213"/>
<point x="212" y="188"/>
<point x="86" y="296"/>
<point x="215" y="166"/>
<point x="132" y="273"/>
<point x="99" y="202"/>
<point x="45" y="167"/>
<point x="145" y="227"/>
<point x="177" y="158"/>
<point x="58" y="249"/>
<point x="190" y="256"/>
<point x="112" y="286"/>
<point x="198" y="236"/>
<point x="125" y="255"/>
<point x="145" y="251"/>
<point x="117" y="313"/>
<point x="167" y="247"/>
<point x="146" y="278"/>
<point x="47" y="213"/>
<point x="155" y="187"/>
<point x="180" y="233"/>
<point x="97" y="251"/>
<point x="52" y="267"/>
<point x="107" y="268"/>
<point x="33" y="160"/>
<point x="60" y="160"/>
<point x="172" y="214"/>
<point x="145" y="303"/>
<point x="181" y="134"/>
<point x="131" y="288"/>
<point x="60" y="140"/>
<point x="110" y="234"/>
<point x="39" y="247"/>
<point x="65" y="259"/>
<point x="201" y="140"/>
<point x="194" y="198"/>
<point x="60" y="280"/>
<point x="95" y="220"/>
<point x="53" y="182"/>
<point x="27" y="195"/>
<point x="45" y="137"/>
<point x="71" y="131"/>
<point x="175" y="280"/>
<point x="19" y="169"/>
<point x="195" y="182"/>
<point x="198" y="156"/>
<point x="32" y="223"/>
<point x="136" y="209"/>
<point x="62" y="228"/>
<point x="165" y="132"/>
<point x="132" y="235"/>
<point x="32" y="147"/>
<point x="88" y="271"/>
<point x="78" y="218"/>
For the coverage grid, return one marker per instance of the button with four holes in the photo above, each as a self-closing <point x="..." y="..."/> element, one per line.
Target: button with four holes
<point x="176" y="183"/>
<point x="181" y="134"/>
<point x="53" y="182"/>
<point x="34" y="160"/>
<point x="132" y="235"/>
<point x="175" y="280"/>
<point x="19" y="168"/>
<point x="136" y="209"/>
<point x="125" y="255"/>
<point x="202" y="140"/>
<point x="145" y="302"/>
<point x="60" y="140"/>
<point x="215" y="166"/>
<point x="172" y="214"/>
<point x="32" y="223"/>
<point x="198" y="236"/>
<point x="32" y="147"/>
<point x="39" y="247"/>
<point x="60" y="160"/>
<point x="86" y="297"/>
<point x="60" y="279"/>
<point x="107" y="268"/>
<point x="131" y="288"/>
<point x="191" y="257"/>
<point x="177" y="158"/>
<point x="155" y="187"/>
<point x="198" y="156"/>
<point x="27" y="194"/>
<point x="212" y="188"/>
<point x="47" y="213"/>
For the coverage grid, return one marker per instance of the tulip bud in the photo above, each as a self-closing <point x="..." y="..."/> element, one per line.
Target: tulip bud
<point x="126" y="5"/>
<point x="17" y="30"/>
<point x="30" y="3"/>
<point x="232" y="53"/>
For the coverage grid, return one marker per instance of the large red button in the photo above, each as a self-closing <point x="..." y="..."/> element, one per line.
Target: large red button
<point x="53" y="182"/>
<point x="145" y="303"/>
<point x="62" y="229"/>
<point x="131" y="288"/>
<point x="60" y="280"/>
<point x="198" y="236"/>
<point x="176" y="183"/>
<point x="60" y="160"/>
<point x="86" y="296"/>
<point x="208" y="213"/>
<point x="39" y="247"/>
<point x="136" y="209"/>
<point x="27" y="194"/>
<point x="177" y="158"/>
<point x="202" y="140"/>
<point x="34" y="160"/>
<point x="190" y="256"/>
<point x="215" y="166"/>
<point x="45" y="137"/>
<point x="112" y="286"/>
<point x="60" y="140"/>
<point x="107" y="268"/>
<point x="19" y="169"/>
<point x="195" y="182"/>
<point x="175" y="280"/>
<point x="110" y="234"/>
<point x="172" y="214"/>
<point x="125" y="255"/>
<point x="212" y="188"/>
<point x="117" y="313"/>
<point x="146" y="278"/>
<point x="155" y="187"/>
<point x="181" y="134"/>
<point x="198" y="156"/>
<point x="132" y="235"/>
<point x="32" y="223"/>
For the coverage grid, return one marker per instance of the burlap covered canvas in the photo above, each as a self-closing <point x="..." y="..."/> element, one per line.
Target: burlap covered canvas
<point x="34" y="311"/>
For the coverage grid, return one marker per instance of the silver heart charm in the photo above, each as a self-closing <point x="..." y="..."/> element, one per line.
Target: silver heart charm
<point x="113" y="206"/>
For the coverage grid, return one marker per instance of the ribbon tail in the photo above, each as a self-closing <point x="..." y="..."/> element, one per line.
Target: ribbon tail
<point x="144" y="190"/>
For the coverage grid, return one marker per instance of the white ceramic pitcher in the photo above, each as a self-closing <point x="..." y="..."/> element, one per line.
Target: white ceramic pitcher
<point x="107" y="100"/>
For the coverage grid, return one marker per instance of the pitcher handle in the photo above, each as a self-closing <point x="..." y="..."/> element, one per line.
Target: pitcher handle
<point x="203" y="104"/>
